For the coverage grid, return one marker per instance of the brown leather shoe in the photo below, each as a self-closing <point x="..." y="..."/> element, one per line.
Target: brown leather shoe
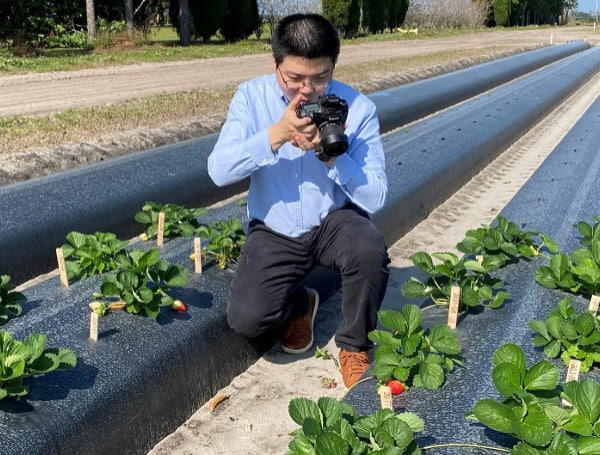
<point x="353" y="365"/>
<point x="299" y="336"/>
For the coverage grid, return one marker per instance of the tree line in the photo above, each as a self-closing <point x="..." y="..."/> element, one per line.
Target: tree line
<point x="42" y="22"/>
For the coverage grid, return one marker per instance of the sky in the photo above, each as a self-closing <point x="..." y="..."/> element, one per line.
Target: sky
<point x="587" y="6"/>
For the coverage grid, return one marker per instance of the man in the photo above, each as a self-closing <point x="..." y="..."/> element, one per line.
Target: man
<point x="304" y="209"/>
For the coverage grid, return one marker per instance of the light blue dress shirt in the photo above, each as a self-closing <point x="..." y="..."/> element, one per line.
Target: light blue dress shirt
<point x="291" y="191"/>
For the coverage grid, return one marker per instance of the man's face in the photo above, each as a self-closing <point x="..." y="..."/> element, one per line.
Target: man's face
<point x="310" y="77"/>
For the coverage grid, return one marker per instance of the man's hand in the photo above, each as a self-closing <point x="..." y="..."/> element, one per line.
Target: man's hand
<point x="300" y="132"/>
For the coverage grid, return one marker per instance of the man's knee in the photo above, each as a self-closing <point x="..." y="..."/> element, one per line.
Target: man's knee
<point x="243" y="321"/>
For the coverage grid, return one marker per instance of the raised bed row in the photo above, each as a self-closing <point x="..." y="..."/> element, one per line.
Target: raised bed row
<point x="143" y="378"/>
<point x="562" y="192"/>
<point x="38" y="214"/>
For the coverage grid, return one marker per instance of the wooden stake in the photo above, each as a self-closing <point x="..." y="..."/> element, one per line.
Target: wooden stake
<point x="161" y="229"/>
<point x="197" y="256"/>
<point x="572" y="375"/>
<point x="62" y="268"/>
<point x="594" y="303"/>
<point x="385" y="394"/>
<point x="453" y="306"/>
<point x="94" y="321"/>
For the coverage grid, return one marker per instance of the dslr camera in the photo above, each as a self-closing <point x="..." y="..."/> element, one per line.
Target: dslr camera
<point x="329" y="114"/>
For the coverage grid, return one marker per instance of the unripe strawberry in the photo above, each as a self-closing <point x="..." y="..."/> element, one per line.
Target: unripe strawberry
<point x="98" y="307"/>
<point x="178" y="306"/>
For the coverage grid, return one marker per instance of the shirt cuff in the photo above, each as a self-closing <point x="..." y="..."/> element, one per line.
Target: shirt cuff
<point x="259" y="149"/>
<point x="343" y="170"/>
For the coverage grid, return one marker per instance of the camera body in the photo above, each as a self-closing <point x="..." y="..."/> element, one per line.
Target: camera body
<point x="329" y="114"/>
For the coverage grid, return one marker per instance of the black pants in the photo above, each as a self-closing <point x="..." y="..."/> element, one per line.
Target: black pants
<point x="267" y="292"/>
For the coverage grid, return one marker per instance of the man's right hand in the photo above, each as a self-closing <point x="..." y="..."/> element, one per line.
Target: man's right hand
<point x="300" y="132"/>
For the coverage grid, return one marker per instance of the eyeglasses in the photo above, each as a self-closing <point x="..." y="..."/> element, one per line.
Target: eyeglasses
<point x="294" y="83"/>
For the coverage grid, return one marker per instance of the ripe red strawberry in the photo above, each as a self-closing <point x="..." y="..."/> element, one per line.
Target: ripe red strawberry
<point x="396" y="387"/>
<point x="178" y="306"/>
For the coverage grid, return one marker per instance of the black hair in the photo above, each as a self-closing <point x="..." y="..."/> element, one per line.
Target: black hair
<point x="305" y="35"/>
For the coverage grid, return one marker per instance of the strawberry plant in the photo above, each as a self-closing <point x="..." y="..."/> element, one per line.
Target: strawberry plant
<point x="579" y="273"/>
<point x="590" y="233"/>
<point x="473" y="278"/>
<point x="529" y="409"/>
<point x="411" y="354"/>
<point x="179" y="220"/>
<point x="568" y="334"/>
<point x="332" y="427"/>
<point x="225" y="240"/>
<point x="22" y="359"/>
<point x="143" y="281"/>
<point x="91" y="254"/>
<point x="10" y="305"/>
<point x="504" y="241"/>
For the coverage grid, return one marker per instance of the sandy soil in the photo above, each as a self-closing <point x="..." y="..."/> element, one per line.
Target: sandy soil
<point x="254" y="420"/>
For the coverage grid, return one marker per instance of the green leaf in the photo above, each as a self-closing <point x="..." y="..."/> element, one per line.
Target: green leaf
<point x="414" y="318"/>
<point x="414" y="422"/>
<point x="494" y="415"/>
<point x="585" y="323"/>
<point x="444" y="340"/>
<point x="588" y="399"/>
<point x="431" y="375"/>
<point x="330" y="442"/>
<point x="393" y="320"/>
<point x="507" y="378"/>
<point x="413" y="289"/>
<point x="541" y="376"/>
<point x="588" y="445"/>
<point x="578" y="425"/>
<point x="535" y="428"/>
<point x="510" y="353"/>
<point x="331" y="410"/>
<point x="301" y="408"/>
<point x="422" y="261"/>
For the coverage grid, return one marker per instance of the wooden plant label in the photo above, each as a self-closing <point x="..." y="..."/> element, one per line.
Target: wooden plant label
<point x="385" y="394"/>
<point x="572" y="375"/>
<point x="197" y="256"/>
<point x="62" y="268"/>
<point x="453" y="306"/>
<point x="573" y="371"/>
<point x="161" y="229"/>
<point x="94" y="320"/>
<point x="594" y="303"/>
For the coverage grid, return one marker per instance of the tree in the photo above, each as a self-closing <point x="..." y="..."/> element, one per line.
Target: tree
<point x="206" y="17"/>
<point x="129" y="25"/>
<point x="184" y="23"/>
<point x="240" y="21"/>
<point x="374" y="12"/>
<point x="90" y="14"/>
<point x="353" y="19"/>
<point x="337" y="11"/>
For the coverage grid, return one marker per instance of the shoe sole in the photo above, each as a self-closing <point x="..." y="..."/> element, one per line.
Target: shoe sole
<point x="312" y="329"/>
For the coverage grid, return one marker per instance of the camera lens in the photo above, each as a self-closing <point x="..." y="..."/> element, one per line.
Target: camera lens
<point x="333" y="139"/>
